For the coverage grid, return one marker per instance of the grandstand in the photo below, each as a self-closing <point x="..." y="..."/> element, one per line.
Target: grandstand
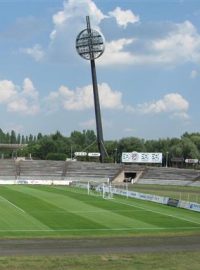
<point x="41" y="170"/>
<point x="92" y="170"/>
<point x="170" y="176"/>
<point x="8" y="169"/>
<point x="76" y="170"/>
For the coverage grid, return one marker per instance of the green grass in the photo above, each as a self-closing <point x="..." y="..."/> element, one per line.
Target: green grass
<point x="47" y="211"/>
<point x="146" y="261"/>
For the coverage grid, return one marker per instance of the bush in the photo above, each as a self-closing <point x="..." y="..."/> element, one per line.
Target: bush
<point x="56" y="156"/>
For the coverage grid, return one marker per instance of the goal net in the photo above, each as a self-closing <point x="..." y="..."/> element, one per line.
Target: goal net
<point x="107" y="191"/>
<point x="95" y="188"/>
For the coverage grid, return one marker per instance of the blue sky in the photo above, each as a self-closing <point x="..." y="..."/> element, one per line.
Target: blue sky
<point x="148" y="76"/>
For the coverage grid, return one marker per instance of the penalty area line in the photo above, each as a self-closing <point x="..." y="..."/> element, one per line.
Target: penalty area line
<point x="4" y="199"/>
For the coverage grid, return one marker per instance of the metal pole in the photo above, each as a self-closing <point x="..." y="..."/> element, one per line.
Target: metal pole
<point x="97" y="112"/>
<point x="166" y="165"/>
<point x="99" y="129"/>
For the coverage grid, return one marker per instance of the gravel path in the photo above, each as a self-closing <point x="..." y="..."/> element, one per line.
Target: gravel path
<point x="16" y="247"/>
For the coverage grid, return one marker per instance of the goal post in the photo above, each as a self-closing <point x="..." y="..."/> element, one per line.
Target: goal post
<point x="101" y="187"/>
<point x="107" y="191"/>
<point x="92" y="187"/>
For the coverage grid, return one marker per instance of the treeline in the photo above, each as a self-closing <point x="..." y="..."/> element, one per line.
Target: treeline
<point x="14" y="138"/>
<point x="56" y="146"/>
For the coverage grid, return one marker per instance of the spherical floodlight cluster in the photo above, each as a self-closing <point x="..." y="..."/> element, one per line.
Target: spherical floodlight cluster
<point x="90" y="44"/>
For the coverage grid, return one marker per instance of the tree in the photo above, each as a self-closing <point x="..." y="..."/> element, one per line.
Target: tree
<point x="57" y="136"/>
<point x="13" y="138"/>
<point x="2" y="136"/>
<point x="7" y="138"/>
<point x="56" y="156"/>
<point x="26" y="139"/>
<point x="30" y="139"/>
<point x="190" y="150"/>
<point x="195" y="138"/>
<point x="47" y="146"/>
<point x="77" y="138"/>
<point x="90" y="137"/>
<point x="39" y="136"/>
<point x="176" y="150"/>
<point x="18" y="138"/>
<point x="131" y="144"/>
<point x="23" y="141"/>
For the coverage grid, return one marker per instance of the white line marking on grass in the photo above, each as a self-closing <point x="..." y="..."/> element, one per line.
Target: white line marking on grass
<point x="101" y="229"/>
<point x="156" y="212"/>
<point x="106" y="211"/>
<point x="20" y="209"/>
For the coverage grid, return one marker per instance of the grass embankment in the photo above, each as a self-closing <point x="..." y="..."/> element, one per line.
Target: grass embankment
<point x="146" y="261"/>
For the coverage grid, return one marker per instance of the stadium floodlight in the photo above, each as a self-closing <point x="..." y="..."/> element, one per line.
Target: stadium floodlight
<point x="90" y="45"/>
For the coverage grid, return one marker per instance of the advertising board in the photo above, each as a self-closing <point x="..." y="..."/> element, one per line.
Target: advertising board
<point x="96" y="154"/>
<point x="80" y="154"/>
<point x="172" y="202"/>
<point x="191" y="161"/>
<point x="136" y="157"/>
<point x="177" y="159"/>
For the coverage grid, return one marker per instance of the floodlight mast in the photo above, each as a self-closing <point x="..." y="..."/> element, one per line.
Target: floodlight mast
<point x="90" y="45"/>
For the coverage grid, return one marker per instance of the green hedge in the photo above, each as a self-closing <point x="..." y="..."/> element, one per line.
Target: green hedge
<point x="56" y="156"/>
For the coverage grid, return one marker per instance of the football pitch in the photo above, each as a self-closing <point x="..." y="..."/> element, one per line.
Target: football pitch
<point x="50" y="211"/>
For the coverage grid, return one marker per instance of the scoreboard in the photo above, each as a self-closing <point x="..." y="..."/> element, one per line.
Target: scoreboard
<point x="135" y="157"/>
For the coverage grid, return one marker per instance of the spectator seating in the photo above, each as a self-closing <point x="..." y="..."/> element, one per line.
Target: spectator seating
<point x="8" y="169"/>
<point x="92" y="170"/>
<point x="41" y="169"/>
<point x="171" y="176"/>
<point x="76" y="170"/>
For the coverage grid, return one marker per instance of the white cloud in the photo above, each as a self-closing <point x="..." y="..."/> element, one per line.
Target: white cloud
<point x="109" y="98"/>
<point x="180" y="115"/>
<point x="17" y="100"/>
<point x="22" y="105"/>
<point x="179" y="45"/>
<point x="36" y="52"/>
<point x="115" y="53"/>
<point x="129" y="109"/>
<point x="17" y="105"/>
<point x="67" y="24"/>
<point x="7" y="91"/>
<point x="29" y="89"/>
<point x="129" y="130"/>
<point x="13" y="126"/>
<point x="79" y="99"/>
<point x="69" y="21"/>
<point x="73" y="16"/>
<point x="123" y="17"/>
<point x="88" y="124"/>
<point x="76" y="9"/>
<point x="182" y="44"/>
<point x="193" y="74"/>
<point x="91" y="124"/>
<point x="82" y="98"/>
<point x="172" y="103"/>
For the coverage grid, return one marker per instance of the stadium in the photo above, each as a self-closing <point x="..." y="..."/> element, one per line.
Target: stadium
<point x="55" y="208"/>
<point x="135" y="206"/>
